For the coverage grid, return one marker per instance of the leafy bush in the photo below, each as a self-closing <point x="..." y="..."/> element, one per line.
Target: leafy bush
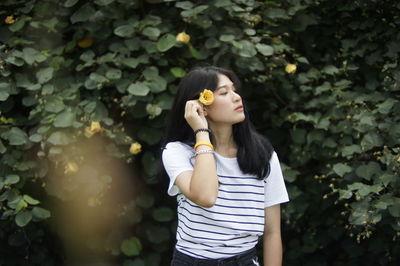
<point x="85" y="88"/>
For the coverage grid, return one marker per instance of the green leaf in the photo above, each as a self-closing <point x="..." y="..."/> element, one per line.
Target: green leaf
<point x="395" y="210"/>
<point x="97" y="77"/>
<point x="265" y="49"/>
<point x="65" y="118"/>
<point x="59" y="138"/>
<point x="23" y="218"/>
<point x="54" y="104"/>
<point x="366" y="171"/>
<point x="145" y="200"/>
<point x="194" y="11"/>
<point x="193" y="51"/>
<point x="138" y="89"/>
<point x="178" y="72"/>
<point x="184" y="5"/>
<point x="341" y="169"/>
<point x="103" y="2"/>
<point x="151" y="32"/>
<point x="113" y="73"/>
<point x="16" y="136"/>
<point x="163" y="214"/>
<point x="70" y="3"/>
<point x="345" y="194"/>
<point x="158" y="84"/>
<point x="41" y="213"/>
<point x="131" y="246"/>
<point x="3" y="149"/>
<point x="166" y="42"/>
<point x="11" y="179"/>
<point x="85" y="13"/>
<point x="45" y="74"/>
<point x="31" y="200"/>
<point x="371" y="140"/>
<point x="4" y="91"/>
<point x="130" y="62"/>
<point x="226" y="37"/>
<point x="330" y="70"/>
<point x="124" y="31"/>
<point x="157" y="235"/>
<point x="387" y="179"/>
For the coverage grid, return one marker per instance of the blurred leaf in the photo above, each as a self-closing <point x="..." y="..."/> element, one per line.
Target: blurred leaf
<point x="54" y="104"/>
<point x="31" y="200"/>
<point x="65" y="118"/>
<point x="166" y="42"/>
<point x="265" y="49"/>
<point x="41" y="213"/>
<point x="11" y="179"/>
<point x="131" y="246"/>
<point x="341" y="169"/>
<point x="23" y="218"/>
<point x="70" y="3"/>
<point x="83" y="14"/>
<point x="44" y="75"/>
<point x="178" y="72"/>
<point x="59" y="138"/>
<point x="16" y="136"/>
<point x="163" y="214"/>
<point x="157" y="235"/>
<point x="124" y="31"/>
<point x="138" y="89"/>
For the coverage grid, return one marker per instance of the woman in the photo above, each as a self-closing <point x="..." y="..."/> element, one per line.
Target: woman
<point x="226" y="176"/>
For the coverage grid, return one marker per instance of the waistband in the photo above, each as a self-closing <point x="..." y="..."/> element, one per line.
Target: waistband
<point x="245" y="256"/>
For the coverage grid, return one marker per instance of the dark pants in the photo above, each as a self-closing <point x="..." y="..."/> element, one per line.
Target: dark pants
<point x="248" y="258"/>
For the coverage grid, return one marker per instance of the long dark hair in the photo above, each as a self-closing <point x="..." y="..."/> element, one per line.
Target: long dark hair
<point x="254" y="150"/>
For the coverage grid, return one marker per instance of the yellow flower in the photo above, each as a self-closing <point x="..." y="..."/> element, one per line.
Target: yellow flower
<point x="71" y="168"/>
<point x="94" y="128"/>
<point x="206" y="97"/>
<point x="9" y="20"/>
<point x="85" y="42"/>
<point x="290" y="68"/>
<point x="135" y="148"/>
<point x="183" y="37"/>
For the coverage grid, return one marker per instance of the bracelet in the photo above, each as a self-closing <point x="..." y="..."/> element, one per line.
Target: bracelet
<point x="204" y="143"/>
<point x="202" y="129"/>
<point x="203" y="152"/>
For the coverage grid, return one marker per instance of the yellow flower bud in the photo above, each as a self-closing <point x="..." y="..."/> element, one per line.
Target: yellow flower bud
<point x="71" y="168"/>
<point x="9" y="20"/>
<point x="85" y="42"/>
<point x="206" y="97"/>
<point x="95" y="127"/>
<point x="135" y="148"/>
<point x="290" y="68"/>
<point x="183" y="37"/>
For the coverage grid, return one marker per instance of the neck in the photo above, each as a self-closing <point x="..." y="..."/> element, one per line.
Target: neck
<point x="223" y="140"/>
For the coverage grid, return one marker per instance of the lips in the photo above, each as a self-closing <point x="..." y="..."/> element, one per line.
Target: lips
<point x="239" y="108"/>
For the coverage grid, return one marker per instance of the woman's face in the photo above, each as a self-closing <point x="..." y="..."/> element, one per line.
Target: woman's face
<point x="227" y="107"/>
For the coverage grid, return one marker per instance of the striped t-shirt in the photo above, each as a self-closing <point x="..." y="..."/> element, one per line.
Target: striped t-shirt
<point x="236" y="221"/>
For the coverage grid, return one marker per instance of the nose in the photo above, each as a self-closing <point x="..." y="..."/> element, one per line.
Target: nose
<point x="236" y="97"/>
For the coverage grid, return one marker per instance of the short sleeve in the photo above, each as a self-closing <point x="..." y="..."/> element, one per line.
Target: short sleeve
<point x="176" y="160"/>
<point x="275" y="189"/>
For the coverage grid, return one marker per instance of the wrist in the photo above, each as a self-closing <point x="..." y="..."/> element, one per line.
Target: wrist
<point x="202" y="137"/>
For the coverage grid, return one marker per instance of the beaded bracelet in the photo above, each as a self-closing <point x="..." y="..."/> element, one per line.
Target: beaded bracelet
<point x="203" y="143"/>
<point x="203" y="152"/>
<point x="202" y="129"/>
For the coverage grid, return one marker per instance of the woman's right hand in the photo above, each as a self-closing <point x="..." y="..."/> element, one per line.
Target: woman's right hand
<point x="194" y="115"/>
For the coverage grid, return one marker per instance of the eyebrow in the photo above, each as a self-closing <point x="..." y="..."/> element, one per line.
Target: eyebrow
<point x="223" y="86"/>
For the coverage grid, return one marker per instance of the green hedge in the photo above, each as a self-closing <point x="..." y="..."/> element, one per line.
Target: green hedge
<point x="85" y="88"/>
